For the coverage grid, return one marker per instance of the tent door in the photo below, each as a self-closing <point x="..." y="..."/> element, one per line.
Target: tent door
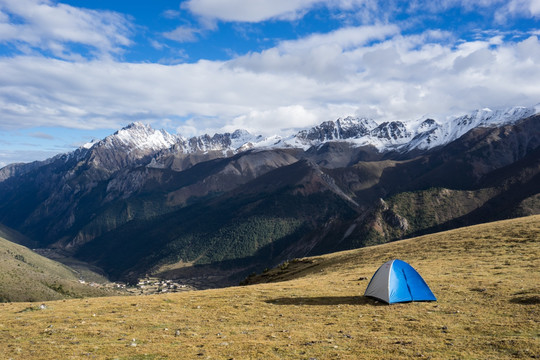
<point x="406" y="282"/>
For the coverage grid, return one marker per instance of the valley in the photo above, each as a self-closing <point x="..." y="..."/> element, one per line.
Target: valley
<point x="27" y="276"/>
<point x="210" y="210"/>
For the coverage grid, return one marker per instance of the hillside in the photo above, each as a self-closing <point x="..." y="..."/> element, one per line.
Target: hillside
<point x="15" y="236"/>
<point x="27" y="276"/>
<point x="209" y="210"/>
<point x="486" y="279"/>
<point x="304" y="209"/>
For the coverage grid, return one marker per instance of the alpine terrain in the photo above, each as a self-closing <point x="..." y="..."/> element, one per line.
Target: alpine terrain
<point x="210" y="210"/>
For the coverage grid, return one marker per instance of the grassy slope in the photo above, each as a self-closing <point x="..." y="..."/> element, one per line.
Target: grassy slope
<point x="14" y="236"/>
<point x="486" y="279"/>
<point x="27" y="276"/>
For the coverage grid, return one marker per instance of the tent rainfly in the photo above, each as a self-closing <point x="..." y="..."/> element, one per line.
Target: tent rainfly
<point x="396" y="281"/>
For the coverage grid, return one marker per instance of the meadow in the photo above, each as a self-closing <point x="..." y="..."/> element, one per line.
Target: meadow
<point x="486" y="279"/>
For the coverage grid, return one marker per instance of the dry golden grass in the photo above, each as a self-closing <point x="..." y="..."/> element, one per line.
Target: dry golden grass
<point x="27" y="276"/>
<point x="486" y="279"/>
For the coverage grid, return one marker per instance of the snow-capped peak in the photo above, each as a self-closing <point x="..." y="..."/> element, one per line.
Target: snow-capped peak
<point x="443" y="133"/>
<point x="240" y="138"/>
<point x="422" y="134"/>
<point x="140" y="136"/>
<point x="487" y="116"/>
<point x="88" y="145"/>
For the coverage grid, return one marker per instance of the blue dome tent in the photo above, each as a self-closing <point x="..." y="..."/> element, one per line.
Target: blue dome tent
<point x="396" y="281"/>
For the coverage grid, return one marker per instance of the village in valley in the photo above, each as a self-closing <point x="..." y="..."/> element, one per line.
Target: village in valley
<point x="151" y="285"/>
<point x="145" y="286"/>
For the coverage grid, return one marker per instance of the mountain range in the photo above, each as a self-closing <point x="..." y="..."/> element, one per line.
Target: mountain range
<point x="212" y="209"/>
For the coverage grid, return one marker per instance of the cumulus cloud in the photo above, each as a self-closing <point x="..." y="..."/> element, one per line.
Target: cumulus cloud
<point x="296" y="84"/>
<point x="263" y="10"/>
<point x="367" y="11"/>
<point x="380" y="70"/>
<point x="249" y="10"/>
<point x="522" y="7"/>
<point x="48" y="26"/>
<point x="326" y="56"/>
<point x="279" y="119"/>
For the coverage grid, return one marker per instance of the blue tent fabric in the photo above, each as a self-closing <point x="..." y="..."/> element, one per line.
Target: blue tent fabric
<point x="396" y="281"/>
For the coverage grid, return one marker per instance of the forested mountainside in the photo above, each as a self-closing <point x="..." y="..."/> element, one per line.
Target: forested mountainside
<point x="143" y="201"/>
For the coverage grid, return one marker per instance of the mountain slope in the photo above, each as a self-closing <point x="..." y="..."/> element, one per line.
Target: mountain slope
<point x="406" y="136"/>
<point x="321" y="210"/>
<point x="242" y="230"/>
<point x="142" y="200"/>
<point x="27" y="276"/>
<point x="484" y="278"/>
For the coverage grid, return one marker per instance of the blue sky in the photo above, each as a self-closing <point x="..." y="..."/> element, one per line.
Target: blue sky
<point x="76" y="70"/>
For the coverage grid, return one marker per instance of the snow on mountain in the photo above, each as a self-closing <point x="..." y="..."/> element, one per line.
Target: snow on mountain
<point x="135" y="137"/>
<point x="341" y="129"/>
<point x="141" y="137"/>
<point x="405" y="136"/>
<point x="422" y="134"/>
<point x="237" y="141"/>
<point x="442" y="134"/>
<point x="88" y="145"/>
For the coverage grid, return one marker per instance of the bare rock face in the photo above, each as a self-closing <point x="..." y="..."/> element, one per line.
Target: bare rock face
<point x="391" y="131"/>
<point x="340" y="129"/>
<point x="395" y="220"/>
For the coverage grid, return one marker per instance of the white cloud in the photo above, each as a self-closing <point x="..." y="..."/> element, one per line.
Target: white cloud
<point x="296" y="84"/>
<point x="49" y="26"/>
<point x="171" y="14"/>
<point x="367" y="11"/>
<point x="467" y="5"/>
<point x="262" y="10"/>
<point x="348" y="37"/>
<point x="518" y="8"/>
<point x="526" y="7"/>
<point x="189" y="33"/>
<point x="277" y="120"/>
<point x="327" y="56"/>
<point x="479" y="59"/>
<point x="183" y="34"/>
<point x="534" y="7"/>
<point x="249" y="10"/>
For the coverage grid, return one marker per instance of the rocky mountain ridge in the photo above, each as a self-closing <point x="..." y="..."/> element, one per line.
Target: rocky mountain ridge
<point x="423" y="134"/>
<point x="142" y="199"/>
<point x="140" y="144"/>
